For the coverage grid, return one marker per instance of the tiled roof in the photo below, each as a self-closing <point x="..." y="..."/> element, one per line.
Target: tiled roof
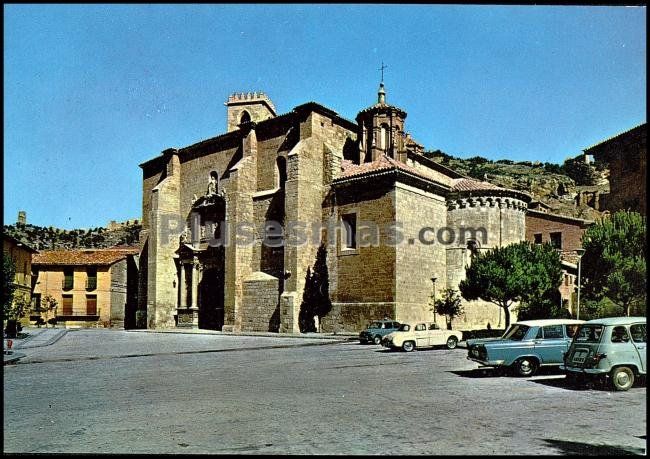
<point x="466" y="184"/>
<point x="380" y="106"/>
<point x="384" y="163"/>
<point x="83" y="256"/>
<point x="552" y="216"/>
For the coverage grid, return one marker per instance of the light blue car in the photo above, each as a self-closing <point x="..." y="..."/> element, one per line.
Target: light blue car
<point x="526" y="345"/>
<point x="612" y="347"/>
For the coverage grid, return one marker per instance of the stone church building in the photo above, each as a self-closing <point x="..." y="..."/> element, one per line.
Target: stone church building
<point x="397" y="226"/>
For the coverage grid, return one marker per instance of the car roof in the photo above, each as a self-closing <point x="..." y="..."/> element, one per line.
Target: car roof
<point x="544" y="322"/>
<point x="617" y="320"/>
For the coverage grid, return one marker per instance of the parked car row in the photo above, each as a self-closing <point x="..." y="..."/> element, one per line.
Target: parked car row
<point x="611" y="349"/>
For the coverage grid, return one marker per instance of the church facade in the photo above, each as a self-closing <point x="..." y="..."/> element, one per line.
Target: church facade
<point x="232" y="224"/>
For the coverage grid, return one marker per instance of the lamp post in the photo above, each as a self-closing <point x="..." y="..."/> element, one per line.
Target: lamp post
<point x="580" y="253"/>
<point x="433" y="279"/>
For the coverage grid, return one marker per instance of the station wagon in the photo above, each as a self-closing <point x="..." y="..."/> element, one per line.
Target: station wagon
<point x="526" y="345"/>
<point x="377" y="330"/>
<point x="613" y="347"/>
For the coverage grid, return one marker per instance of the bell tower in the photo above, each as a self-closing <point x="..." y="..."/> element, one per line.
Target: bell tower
<point x="381" y="129"/>
<point x="251" y="106"/>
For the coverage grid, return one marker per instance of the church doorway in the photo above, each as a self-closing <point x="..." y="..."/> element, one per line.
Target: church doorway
<point x="210" y="299"/>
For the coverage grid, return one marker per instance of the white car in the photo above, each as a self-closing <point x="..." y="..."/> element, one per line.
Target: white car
<point x="416" y="335"/>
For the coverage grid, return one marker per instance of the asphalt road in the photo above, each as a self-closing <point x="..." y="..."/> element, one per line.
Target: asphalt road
<point x="107" y="391"/>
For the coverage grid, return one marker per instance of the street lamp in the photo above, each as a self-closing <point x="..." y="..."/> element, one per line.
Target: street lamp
<point x="433" y="279"/>
<point x="580" y="253"/>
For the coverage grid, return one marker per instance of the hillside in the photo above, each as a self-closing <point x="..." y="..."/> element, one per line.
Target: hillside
<point x="546" y="182"/>
<point x="50" y="238"/>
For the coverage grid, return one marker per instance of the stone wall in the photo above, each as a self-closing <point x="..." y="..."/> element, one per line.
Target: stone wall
<point x="118" y="293"/>
<point x="162" y="241"/>
<point x="503" y="219"/>
<point x="354" y="317"/>
<point x="259" y="303"/>
<point x="365" y="274"/>
<point x="195" y="171"/>
<point x="238" y="257"/>
<point x="626" y="155"/>
<point x="417" y="262"/>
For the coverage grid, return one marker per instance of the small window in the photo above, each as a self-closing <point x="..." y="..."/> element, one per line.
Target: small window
<point x="349" y="231"/>
<point x="420" y="327"/>
<point x="395" y="324"/>
<point x="553" y="332"/>
<point x="433" y="327"/>
<point x="538" y="238"/>
<point x="540" y="334"/>
<point x="556" y="240"/>
<point x="638" y="332"/>
<point x="619" y="335"/>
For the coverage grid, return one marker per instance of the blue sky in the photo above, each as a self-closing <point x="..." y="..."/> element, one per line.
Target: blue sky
<point x="91" y="91"/>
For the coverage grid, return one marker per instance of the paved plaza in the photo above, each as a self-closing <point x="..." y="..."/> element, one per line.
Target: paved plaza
<point x="110" y="391"/>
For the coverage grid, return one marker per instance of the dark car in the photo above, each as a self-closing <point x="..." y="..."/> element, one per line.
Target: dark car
<point x="377" y="330"/>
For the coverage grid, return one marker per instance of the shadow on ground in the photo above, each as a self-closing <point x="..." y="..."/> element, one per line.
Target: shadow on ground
<point x="586" y="449"/>
<point x="499" y="372"/>
<point x="562" y="383"/>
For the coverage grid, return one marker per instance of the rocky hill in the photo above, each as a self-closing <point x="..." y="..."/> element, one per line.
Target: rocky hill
<point x="50" y="238"/>
<point x="568" y="189"/>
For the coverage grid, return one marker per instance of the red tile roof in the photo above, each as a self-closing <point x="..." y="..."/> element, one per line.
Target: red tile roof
<point x="466" y="184"/>
<point x="384" y="163"/>
<point x="83" y="256"/>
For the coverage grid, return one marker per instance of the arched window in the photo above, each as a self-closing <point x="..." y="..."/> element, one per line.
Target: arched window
<point x="281" y="173"/>
<point x="383" y="137"/>
<point x="245" y="117"/>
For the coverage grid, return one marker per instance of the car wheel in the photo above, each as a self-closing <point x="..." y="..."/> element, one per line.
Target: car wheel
<point x="526" y="366"/>
<point x="452" y="341"/>
<point x="377" y="339"/>
<point x="408" y="346"/>
<point x="622" y="378"/>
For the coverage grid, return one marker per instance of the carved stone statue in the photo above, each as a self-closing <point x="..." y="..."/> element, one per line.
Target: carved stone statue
<point x="212" y="184"/>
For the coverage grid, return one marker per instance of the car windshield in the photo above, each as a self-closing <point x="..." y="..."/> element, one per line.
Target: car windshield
<point x="404" y="327"/>
<point x="375" y="325"/>
<point x="516" y="332"/>
<point x="588" y="334"/>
